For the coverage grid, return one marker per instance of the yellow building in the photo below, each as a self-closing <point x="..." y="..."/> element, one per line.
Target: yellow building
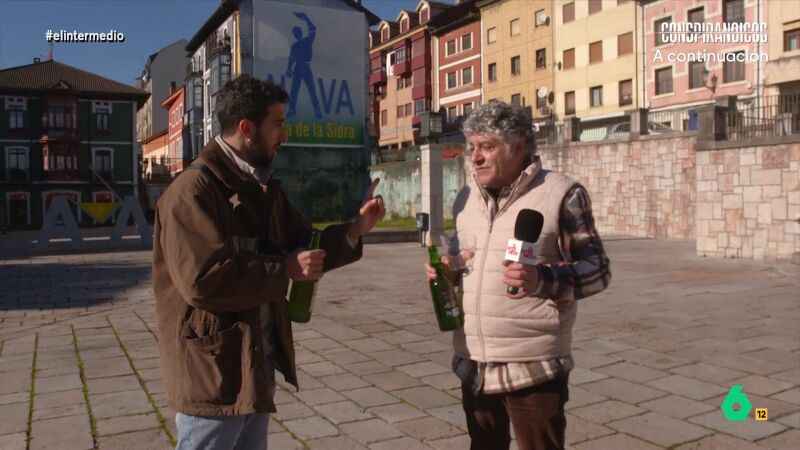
<point x="783" y="69"/>
<point x="517" y="39"/>
<point x="598" y="57"/>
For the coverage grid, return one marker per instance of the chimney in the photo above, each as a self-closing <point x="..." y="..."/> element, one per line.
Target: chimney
<point x="171" y="87"/>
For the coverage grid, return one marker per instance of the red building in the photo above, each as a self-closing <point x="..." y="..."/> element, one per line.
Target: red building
<point x="456" y="40"/>
<point x="400" y="76"/>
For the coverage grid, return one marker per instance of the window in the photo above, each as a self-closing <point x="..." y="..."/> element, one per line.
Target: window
<point x="625" y="92"/>
<point x="791" y="40"/>
<point x="60" y="156"/>
<point x="624" y="44"/>
<point x="420" y="106"/>
<point x="451" y="80"/>
<point x="466" y="76"/>
<point x="102" y="119"/>
<point x="491" y="35"/>
<point x="198" y="94"/>
<point x="385" y="35"/>
<point x="569" y="103"/>
<point x="60" y="118"/>
<point x="696" y="15"/>
<point x="467" y="108"/>
<point x="541" y="102"/>
<point x="384" y="118"/>
<point x="492" y="70"/>
<point x="568" y="11"/>
<point x="17" y="163"/>
<point x="658" y="26"/>
<point x="450" y="48"/>
<point x="102" y="162"/>
<point x="400" y="55"/>
<point x="466" y="42"/>
<point x="733" y="67"/>
<point x="664" y="80"/>
<point x="516" y="100"/>
<point x="408" y="109"/>
<point x="400" y="111"/>
<point x="596" y="52"/>
<point x="403" y="25"/>
<point x="423" y="15"/>
<point x="16" y="117"/>
<point x="451" y="114"/>
<point x="514" y="27"/>
<point x="595" y="6"/>
<point x="569" y="58"/>
<point x="403" y="82"/>
<point x="733" y="11"/>
<point x="541" y="58"/>
<point x="540" y="14"/>
<point x="597" y="96"/>
<point x="516" y="68"/>
<point x="696" y="74"/>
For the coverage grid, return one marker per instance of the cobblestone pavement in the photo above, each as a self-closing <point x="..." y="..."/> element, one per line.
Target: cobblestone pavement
<point x="656" y="354"/>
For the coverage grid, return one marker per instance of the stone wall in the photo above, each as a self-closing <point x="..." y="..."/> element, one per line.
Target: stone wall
<point x="748" y="202"/>
<point x="643" y="187"/>
<point x="736" y="200"/>
<point x="401" y="185"/>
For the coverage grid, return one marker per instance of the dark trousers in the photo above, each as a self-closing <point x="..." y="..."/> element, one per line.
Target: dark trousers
<point x="537" y="414"/>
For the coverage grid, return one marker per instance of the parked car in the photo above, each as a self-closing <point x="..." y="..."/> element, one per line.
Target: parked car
<point x="623" y="130"/>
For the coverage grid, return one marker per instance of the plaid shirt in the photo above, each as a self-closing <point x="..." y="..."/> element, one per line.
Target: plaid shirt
<point x="585" y="272"/>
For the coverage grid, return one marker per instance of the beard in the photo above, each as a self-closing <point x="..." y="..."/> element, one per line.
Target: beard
<point x="259" y="151"/>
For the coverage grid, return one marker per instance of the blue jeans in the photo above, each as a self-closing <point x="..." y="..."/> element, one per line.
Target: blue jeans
<point x="222" y="432"/>
<point x="225" y="432"/>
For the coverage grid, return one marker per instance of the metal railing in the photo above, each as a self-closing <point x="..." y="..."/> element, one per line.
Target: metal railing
<point x="760" y="117"/>
<point x="608" y="128"/>
<point x="672" y="120"/>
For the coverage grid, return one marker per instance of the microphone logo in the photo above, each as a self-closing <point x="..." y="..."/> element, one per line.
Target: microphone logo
<point x="512" y="250"/>
<point x="527" y="253"/>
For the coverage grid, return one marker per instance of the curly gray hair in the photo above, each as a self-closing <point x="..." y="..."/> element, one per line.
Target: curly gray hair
<point x="501" y="119"/>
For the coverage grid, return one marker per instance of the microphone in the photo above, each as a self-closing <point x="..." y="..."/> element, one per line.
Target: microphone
<point x="521" y="249"/>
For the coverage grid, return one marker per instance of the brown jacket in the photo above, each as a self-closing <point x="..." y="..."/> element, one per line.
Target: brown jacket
<point x="218" y="252"/>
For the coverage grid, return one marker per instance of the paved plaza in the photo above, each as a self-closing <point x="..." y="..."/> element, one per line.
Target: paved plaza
<point x="656" y="354"/>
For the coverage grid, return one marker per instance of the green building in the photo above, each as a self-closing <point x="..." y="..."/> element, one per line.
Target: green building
<point x="64" y="132"/>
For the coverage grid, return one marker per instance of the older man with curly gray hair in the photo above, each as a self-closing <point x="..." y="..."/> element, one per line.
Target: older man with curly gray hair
<point x="513" y="354"/>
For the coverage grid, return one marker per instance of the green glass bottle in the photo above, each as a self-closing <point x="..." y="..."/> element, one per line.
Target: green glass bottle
<point x="301" y="297"/>
<point x="448" y="312"/>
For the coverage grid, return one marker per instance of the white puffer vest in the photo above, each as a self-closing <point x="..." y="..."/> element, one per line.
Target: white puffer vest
<point x="497" y="328"/>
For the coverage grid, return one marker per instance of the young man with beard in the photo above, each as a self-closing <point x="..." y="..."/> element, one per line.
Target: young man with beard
<point x="227" y="241"/>
<point x="513" y="353"/>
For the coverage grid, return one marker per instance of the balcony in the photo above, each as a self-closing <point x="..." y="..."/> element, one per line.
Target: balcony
<point x="377" y="76"/>
<point x="192" y="71"/>
<point x="402" y="68"/>
<point x="419" y="61"/>
<point x="421" y="91"/>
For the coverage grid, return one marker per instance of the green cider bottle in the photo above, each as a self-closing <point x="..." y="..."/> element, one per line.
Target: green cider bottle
<point x="448" y="312"/>
<point x="301" y="297"/>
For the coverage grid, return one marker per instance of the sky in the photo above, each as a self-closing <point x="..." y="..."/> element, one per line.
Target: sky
<point x="148" y="26"/>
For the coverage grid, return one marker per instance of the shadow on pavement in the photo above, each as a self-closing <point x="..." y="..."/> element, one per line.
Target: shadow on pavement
<point x="61" y="285"/>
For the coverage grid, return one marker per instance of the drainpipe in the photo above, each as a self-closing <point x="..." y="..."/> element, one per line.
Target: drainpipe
<point x="643" y="43"/>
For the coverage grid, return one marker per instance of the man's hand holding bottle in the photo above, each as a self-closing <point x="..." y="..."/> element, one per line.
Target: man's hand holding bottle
<point x="305" y="265"/>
